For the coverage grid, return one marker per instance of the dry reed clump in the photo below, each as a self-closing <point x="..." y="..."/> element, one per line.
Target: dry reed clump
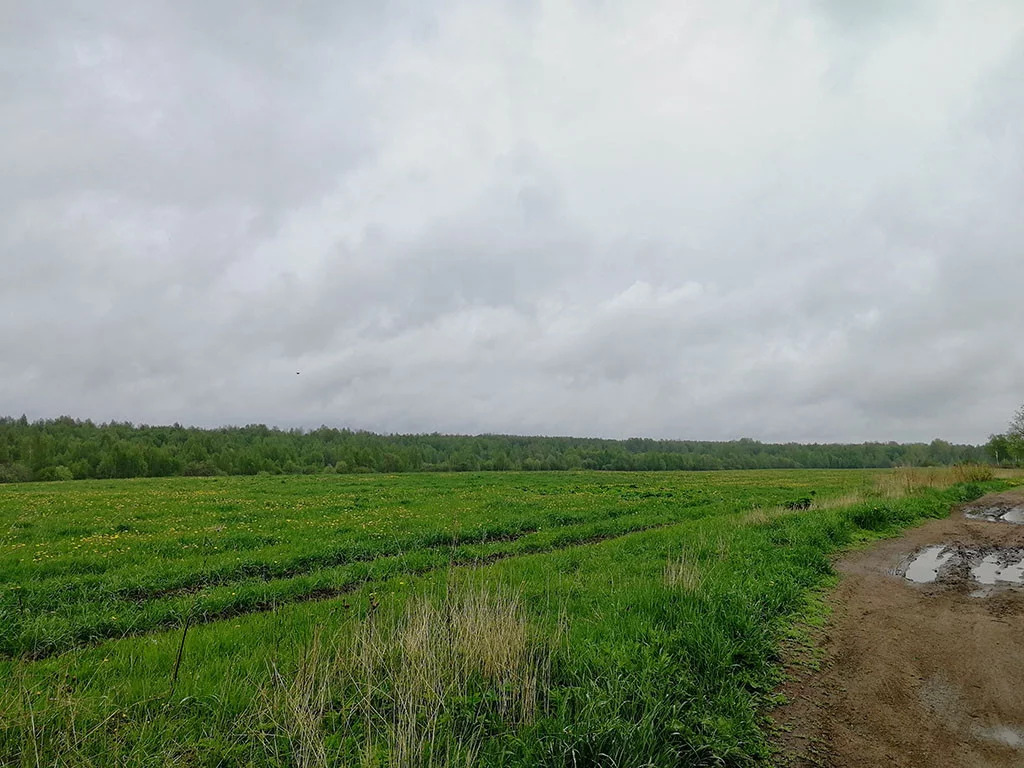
<point x="416" y="686"/>
<point x="443" y="653"/>
<point x="763" y="516"/>
<point x="682" y="574"/>
<point x="973" y="473"/>
<point x="300" y="703"/>
<point x="904" y="480"/>
<point x="838" y="502"/>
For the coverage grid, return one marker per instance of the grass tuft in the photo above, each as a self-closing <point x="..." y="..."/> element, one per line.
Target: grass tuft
<point x="420" y="688"/>
<point x="682" y="574"/>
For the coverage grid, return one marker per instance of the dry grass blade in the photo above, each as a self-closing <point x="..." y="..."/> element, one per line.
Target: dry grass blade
<point x="410" y="673"/>
<point x="905" y="480"/>
<point x="972" y="473"/>
<point x="838" y="502"/>
<point x="681" y="574"/>
<point x="298" y="705"/>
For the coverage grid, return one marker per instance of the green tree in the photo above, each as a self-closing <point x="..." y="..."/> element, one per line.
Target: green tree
<point x="1017" y="424"/>
<point x="123" y="459"/>
<point x="998" y="447"/>
<point x="1015" y="436"/>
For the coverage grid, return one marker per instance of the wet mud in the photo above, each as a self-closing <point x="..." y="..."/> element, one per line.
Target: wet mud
<point x="951" y="564"/>
<point x="998" y="508"/>
<point x="922" y="656"/>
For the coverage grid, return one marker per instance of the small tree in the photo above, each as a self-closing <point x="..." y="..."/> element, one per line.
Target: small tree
<point x="1016" y="430"/>
<point x="1008" y="447"/>
<point x="1015" y="437"/>
<point x="998" y="447"/>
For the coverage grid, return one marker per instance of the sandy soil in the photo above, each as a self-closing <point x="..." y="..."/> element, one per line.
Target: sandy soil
<point x="919" y="674"/>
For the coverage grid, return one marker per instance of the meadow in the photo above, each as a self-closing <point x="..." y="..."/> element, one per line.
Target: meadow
<point x="581" y="618"/>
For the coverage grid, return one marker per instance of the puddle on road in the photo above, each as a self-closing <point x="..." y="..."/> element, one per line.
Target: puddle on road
<point x="924" y="568"/>
<point x="994" y="569"/>
<point x="991" y="568"/>
<point x="1015" y="515"/>
<point x="998" y="514"/>
<point x="1004" y="734"/>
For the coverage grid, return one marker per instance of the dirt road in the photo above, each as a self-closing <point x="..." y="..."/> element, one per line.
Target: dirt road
<point x="924" y="672"/>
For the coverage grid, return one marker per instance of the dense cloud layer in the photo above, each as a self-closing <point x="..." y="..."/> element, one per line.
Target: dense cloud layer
<point x="700" y="220"/>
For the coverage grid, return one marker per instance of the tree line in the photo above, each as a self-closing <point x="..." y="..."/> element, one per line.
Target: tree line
<point x="67" y="449"/>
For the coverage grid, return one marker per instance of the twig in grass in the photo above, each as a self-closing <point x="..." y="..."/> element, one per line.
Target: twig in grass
<point x="181" y="651"/>
<point x="27" y="701"/>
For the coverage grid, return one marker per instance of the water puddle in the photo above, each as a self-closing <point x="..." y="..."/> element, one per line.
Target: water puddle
<point x="998" y="514"/>
<point x="995" y="568"/>
<point x="1015" y="515"/>
<point x="1004" y="734"/>
<point x="950" y="563"/>
<point x="924" y="568"/>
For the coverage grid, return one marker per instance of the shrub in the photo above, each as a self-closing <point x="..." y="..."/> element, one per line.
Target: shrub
<point x="15" y="473"/>
<point x="972" y="473"/>
<point x="970" y="492"/>
<point x="59" y="472"/>
<point x="873" y="518"/>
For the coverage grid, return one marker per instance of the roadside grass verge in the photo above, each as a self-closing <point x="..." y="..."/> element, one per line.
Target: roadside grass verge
<point x="904" y="480"/>
<point x="657" y="648"/>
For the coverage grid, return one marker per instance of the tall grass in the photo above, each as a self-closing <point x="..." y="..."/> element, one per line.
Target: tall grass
<point x="418" y="689"/>
<point x="1013" y="474"/>
<point x="904" y="480"/>
<point x="682" y="574"/>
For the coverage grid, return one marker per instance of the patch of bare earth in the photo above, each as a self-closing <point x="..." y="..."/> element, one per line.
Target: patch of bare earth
<point x="920" y="673"/>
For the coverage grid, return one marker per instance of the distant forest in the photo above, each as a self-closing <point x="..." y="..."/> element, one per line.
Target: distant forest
<point x="69" y="449"/>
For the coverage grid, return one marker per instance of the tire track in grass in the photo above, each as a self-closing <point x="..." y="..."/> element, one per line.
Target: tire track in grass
<point x="198" y="580"/>
<point x="223" y="601"/>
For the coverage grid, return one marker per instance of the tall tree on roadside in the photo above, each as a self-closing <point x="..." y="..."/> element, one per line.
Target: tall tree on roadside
<point x="1015" y="436"/>
<point x="998" y="447"/>
<point x="1017" y="424"/>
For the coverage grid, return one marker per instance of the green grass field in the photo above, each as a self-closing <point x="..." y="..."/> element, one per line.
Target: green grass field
<point x="614" y="619"/>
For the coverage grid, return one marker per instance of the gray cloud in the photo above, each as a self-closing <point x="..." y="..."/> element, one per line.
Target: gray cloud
<point x="588" y="218"/>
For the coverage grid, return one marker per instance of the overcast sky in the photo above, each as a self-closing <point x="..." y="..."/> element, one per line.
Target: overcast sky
<point x="785" y="220"/>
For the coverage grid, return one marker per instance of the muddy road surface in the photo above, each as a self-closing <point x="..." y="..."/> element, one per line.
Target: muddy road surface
<point x="924" y="653"/>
